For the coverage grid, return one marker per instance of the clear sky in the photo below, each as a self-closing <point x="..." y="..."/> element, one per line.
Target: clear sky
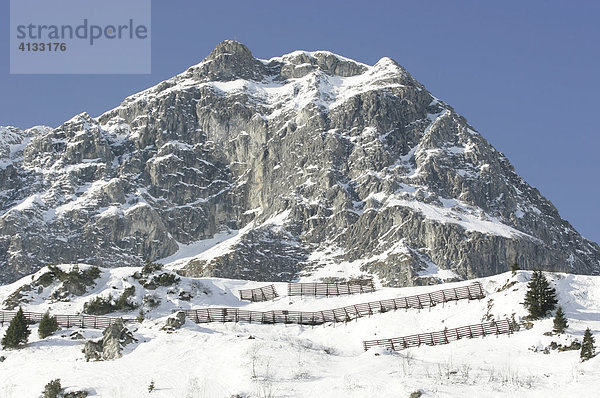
<point x="526" y="74"/>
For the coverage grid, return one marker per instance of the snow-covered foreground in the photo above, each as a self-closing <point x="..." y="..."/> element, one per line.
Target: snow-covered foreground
<point x="254" y="360"/>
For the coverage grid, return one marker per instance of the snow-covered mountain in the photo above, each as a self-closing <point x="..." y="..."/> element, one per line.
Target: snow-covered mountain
<point x="264" y="360"/>
<point x="303" y="165"/>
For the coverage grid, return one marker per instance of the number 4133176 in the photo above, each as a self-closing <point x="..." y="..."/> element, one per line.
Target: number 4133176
<point x="43" y="46"/>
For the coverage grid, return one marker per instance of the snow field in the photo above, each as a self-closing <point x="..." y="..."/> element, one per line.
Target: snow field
<point x="254" y="360"/>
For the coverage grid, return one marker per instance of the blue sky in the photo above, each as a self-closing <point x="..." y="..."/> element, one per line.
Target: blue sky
<point x="524" y="74"/>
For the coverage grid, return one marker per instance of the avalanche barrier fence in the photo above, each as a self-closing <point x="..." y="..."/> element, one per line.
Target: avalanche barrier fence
<point x="330" y="289"/>
<point x="264" y="293"/>
<point x="343" y="314"/>
<point x="445" y="336"/>
<point x="82" y="321"/>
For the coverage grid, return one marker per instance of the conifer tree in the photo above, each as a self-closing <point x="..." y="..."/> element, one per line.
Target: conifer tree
<point x="540" y="297"/>
<point x="17" y="332"/>
<point x="53" y="389"/>
<point x="48" y="325"/>
<point x="560" y="321"/>
<point x="514" y="268"/>
<point x="587" y="346"/>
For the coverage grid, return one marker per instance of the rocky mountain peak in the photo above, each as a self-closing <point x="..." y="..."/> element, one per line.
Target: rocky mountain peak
<point x="305" y="165"/>
<point x="230" y="48"/>
<point x="230" y="60"/>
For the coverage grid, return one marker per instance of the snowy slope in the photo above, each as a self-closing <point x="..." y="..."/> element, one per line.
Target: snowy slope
<point x="215" y="360"/>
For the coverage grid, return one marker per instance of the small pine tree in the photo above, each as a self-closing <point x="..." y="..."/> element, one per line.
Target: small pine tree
<point x="17" y="332"/>
<point x="514" y="268"/>
<point x="540" y="297"/>
<point x="560" y="321"/>
<point x="48" y="325"/>
<point x="53" y="389"/>
<point x="140" y="318"/>
<point x="587" y="346"/>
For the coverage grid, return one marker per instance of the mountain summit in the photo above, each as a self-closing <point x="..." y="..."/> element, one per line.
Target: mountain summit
<point x="305" y="165"/>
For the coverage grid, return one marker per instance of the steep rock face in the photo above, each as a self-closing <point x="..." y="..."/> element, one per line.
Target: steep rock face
<point x="316" y="160"/>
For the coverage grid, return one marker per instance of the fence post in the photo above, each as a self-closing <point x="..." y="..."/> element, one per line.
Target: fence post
<point x="275" y="295"/>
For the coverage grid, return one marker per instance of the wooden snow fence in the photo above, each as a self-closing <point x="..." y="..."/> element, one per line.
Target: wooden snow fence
<point x="330" y="289"/>
<point x="344" y="314"/>
<point x="264" y="293"/>
<point x="82" y="321"/>
<point x="445" y="336"/>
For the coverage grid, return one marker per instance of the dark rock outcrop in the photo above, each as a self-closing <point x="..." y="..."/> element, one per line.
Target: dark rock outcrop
<point x="175" y="322"/>
<point x="110" y="347"/>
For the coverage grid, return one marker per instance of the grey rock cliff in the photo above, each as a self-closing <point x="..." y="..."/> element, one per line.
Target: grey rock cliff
<point x="315" y="159"/>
